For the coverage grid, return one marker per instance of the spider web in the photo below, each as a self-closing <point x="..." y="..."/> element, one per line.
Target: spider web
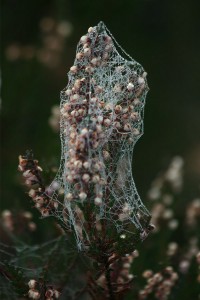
<point x="101" y="120"/>
<point x="56" y="261"/>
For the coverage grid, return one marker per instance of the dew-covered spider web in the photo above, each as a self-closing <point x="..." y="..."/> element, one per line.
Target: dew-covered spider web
<point x="101" y="119"/>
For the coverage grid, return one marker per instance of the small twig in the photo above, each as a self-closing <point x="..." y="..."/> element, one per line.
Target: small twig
<point x="79" y="293"/>
<point x="6" y="274"/>
<point x="108" y="279"/>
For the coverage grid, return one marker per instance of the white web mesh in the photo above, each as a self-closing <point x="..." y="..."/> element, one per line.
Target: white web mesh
<point x="101" y="120"/>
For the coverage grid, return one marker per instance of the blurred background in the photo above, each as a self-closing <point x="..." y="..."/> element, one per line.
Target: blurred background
<point x="38" y="45"/>
<point x="39" y="41"/>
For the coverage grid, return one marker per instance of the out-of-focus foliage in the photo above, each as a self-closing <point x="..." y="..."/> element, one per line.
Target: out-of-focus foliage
<point x="38" y="47"/>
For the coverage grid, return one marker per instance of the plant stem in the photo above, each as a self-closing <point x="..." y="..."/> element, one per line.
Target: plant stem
<point x="108" y="279"/>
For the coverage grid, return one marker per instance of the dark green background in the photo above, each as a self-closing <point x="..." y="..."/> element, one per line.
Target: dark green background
<point x="162" y="35"/>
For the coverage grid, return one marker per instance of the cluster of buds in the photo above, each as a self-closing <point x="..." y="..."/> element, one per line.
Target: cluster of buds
<point x="170" y="180"/>
<point x="159" y="284"/>
<point x="53" y="40"/>
<point x="164" y="213"/>
<point x="101" y="111"/>
<point x="18" y="222"/>
<point x="120" y="273"/>
<point x="172" y="177"/>
<point x="100" y="119"/>
<point x="124" y="272"/>
<point x="32" y="174"/>
<point x="35" y="291"/>
<point x="52" y="294"/>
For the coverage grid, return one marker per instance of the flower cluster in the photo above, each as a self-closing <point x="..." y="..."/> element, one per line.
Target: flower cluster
<point x="101" y="120"/>
<point x="120" y="272"/>
<point x="173" y="177"/>
<point x="36" y="290"/>
<point x="162" y="193"/>
<point x="160" y="284"/>
<point x="49" y="52"/>
<point x="19" y="222"/>
<point x="180" y="253"/>
<point x="32" y="174"/>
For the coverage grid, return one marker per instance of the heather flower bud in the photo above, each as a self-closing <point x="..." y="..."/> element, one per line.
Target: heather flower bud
<point x="79" y="55"/>
<point x="86" y="164"/>
<point x="87" y="51"/>
<point x="84" y="39"/>
<point x="82" y="196"/>
<point x="107" y="122"/>
<point x="69" y="196"/>
<point x="140" y="80"/>
<point x="33" y="294"/>
<point x="106" y="155"/>
<point x="91" y="29"/>
<point x="98" y="201"/>
<point x="32" y="193"/>
<point x="96" y="178"/>
<point x="84" y="131"/>
<point x="86" y="177"/>
<point x="74" y="69"/>
<point x="32" y="283"/>
<point x="130" y="86"/>
<point x="27" y="174"/>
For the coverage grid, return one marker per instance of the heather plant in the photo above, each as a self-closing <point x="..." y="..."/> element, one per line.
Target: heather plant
<point x="56" y="268"/>
<point x="93" y="194"/>
<point x="101" y="120"/>
<point x="96" y="211"/>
